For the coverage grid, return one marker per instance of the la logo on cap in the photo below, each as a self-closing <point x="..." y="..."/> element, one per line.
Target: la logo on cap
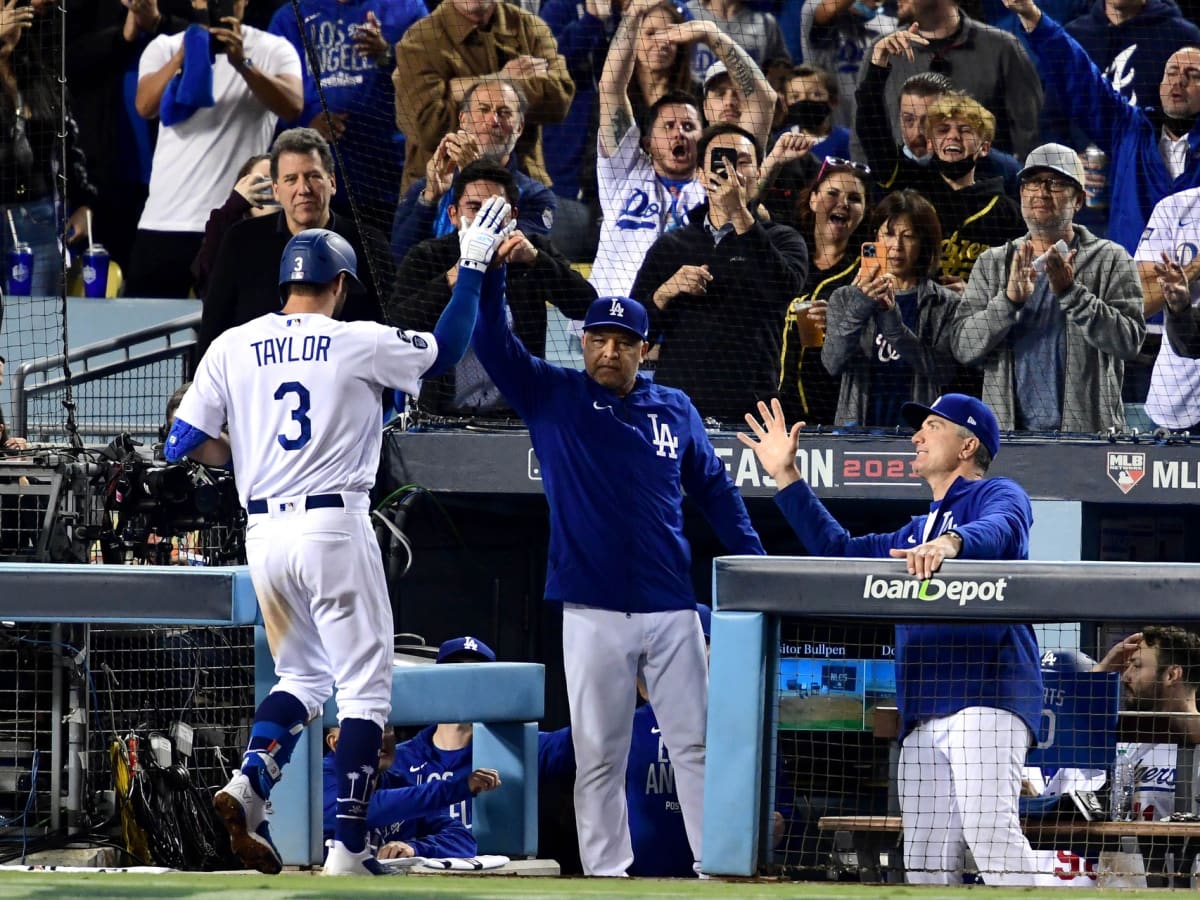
<point x="616" y="309"/>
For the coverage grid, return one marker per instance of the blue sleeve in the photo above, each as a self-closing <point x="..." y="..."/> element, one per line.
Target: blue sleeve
<point x="513" y="368"/>
<point x="444" y="836"/>
<point x="1002" y="531"/>
<point x="283" y="24"/>
<point x="704" y="478"/>
<point x="328" y="796"/>
<point x="556" y="754"/>
<point x="577" y="35"/>
<point x="823" y="535"/>
<point x="457" y="321"/>
<point x="412" y="221"/>
<point x="183" y="439"/>
<point x="398" y="804"/>
<point x="1087" y="97"/>
<point x="536" y="200"/>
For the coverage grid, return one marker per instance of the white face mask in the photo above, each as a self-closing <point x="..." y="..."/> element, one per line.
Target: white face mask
<point x="919" y="160"/>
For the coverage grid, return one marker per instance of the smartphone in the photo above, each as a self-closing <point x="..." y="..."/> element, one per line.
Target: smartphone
<point x="218" y="11"/>
<point x="722" y="160"/>
<point x="873" y="262"/>
<point x="263" y="192"/>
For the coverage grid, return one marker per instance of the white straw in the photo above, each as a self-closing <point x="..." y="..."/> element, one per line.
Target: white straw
<point x="12" y="226"/>
<point x="91" y="243"/>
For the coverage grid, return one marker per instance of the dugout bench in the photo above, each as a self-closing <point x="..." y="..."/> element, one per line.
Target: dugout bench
<point x="504" y="699"/>
<point x="752" y="595"/>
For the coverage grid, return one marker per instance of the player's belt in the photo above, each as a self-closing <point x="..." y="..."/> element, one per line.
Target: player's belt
<point x="312" y="501"/>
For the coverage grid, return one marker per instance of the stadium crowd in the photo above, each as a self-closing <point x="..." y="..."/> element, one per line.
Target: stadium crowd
<point x="726" y="162"/>
<point x="823" y="208"/>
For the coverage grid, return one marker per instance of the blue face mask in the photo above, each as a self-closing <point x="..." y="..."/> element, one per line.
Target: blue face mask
<point x="919" y="160"/>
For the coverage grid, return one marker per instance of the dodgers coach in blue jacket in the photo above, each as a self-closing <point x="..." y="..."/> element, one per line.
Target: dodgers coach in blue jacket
<point x="970" y="696"/>
<point x="617" y="453"/>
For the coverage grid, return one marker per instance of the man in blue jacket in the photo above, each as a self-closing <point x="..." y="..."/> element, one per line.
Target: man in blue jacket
<point x="1156" y="151"/>
<point x="617" y="453"/>
<point x="970" y="696"/>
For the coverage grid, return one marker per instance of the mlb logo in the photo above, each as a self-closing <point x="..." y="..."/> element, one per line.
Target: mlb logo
<point x="1126" y="469"/>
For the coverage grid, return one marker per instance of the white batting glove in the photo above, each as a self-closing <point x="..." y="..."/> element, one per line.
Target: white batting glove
<point x="478" y="240"/>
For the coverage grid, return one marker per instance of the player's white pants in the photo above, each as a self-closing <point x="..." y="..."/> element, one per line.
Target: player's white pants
<point x="960" y="778"/>
<point x="324" y="600"/>
<point x="603" y="653"/>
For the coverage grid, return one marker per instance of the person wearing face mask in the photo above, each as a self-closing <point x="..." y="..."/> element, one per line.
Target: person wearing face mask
<point x="888" y="334"/>
<point x="836" y="34"/>
<point x="829" y="214"/>
<point x="807" y="138"/>
<point x="893" y="162"/>
<point x="974" y="210"/>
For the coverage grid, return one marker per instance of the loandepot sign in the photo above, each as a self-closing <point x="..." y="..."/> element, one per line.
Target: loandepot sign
<point x="960" y="589"/>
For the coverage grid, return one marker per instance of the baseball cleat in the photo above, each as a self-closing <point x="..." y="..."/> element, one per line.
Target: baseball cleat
<point x="245" y="816"/>
<point x="340" y="861"/>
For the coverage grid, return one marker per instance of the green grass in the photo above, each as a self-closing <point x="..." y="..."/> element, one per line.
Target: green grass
<point x="302" y="886"/>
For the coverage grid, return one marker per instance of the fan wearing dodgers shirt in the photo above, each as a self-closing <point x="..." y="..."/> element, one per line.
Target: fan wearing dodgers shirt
<point x="300" y="395"/>
<point x="970" y="696"/>
<point x="617" y="453"/>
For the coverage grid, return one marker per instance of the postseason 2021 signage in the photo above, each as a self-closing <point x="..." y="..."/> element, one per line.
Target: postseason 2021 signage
<point x="1010" y="591"/>
<point x="837" y="466"/>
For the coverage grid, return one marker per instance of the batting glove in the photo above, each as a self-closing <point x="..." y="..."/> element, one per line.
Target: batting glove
<point x="478" y="241"/>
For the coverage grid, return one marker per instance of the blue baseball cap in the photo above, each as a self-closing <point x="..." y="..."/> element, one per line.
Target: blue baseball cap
<point x="465" y="649"/>
<point x="705" y="614"/>
<point x="618" y="312"/>
<point x="969" y="412"/>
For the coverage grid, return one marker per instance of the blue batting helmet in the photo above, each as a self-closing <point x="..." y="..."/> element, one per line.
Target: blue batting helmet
<point x="316" y="256"/>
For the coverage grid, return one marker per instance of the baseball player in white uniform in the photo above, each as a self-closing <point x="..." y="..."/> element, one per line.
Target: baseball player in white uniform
<point x="300" y="396"/>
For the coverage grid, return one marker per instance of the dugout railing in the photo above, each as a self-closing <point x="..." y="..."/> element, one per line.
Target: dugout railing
<point x="757" y="598"/>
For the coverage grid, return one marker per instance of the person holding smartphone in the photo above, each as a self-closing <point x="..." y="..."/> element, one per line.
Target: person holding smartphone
<point x="251" y="197"/>
<point x="888" y="334"/>
<point x="717" y="289"/>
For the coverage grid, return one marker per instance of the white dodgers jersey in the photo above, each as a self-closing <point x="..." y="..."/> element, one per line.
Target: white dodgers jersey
<point x="301" y="394"/>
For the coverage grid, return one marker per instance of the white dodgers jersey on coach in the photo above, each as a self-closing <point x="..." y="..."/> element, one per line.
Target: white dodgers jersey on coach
<point x="301" y="394"/>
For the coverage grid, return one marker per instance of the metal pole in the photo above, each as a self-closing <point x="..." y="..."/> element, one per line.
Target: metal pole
<point x="56" y="742"/>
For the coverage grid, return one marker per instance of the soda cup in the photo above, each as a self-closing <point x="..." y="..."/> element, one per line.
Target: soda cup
<point x="20" y="270"/>
<point x="1095" y="177"/>
<point x="812" y="334"/>
<point x="95" y="271"/>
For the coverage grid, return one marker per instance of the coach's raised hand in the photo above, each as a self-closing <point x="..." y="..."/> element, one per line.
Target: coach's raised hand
<point x="478" y="241"/>
<point x="776" y="444"/>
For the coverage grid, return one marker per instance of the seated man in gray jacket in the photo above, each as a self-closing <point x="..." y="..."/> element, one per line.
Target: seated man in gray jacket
<point x="1052" y="316"/>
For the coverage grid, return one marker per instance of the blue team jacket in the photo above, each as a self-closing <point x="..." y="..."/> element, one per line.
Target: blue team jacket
<point x="614" y="470"/>
<point x="399" y="811"/>
<point x="1137" y="174"/>
<point x="941" y="669"/>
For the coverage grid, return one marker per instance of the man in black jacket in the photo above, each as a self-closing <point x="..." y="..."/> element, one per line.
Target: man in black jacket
<point x="718" y="288"/>
<point x="245" y="278"/>
<point x="537" y="275"/>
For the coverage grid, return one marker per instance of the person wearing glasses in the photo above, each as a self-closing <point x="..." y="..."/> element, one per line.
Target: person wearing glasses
<point x="829" y="214"/>
<point x="1052" y="316"/>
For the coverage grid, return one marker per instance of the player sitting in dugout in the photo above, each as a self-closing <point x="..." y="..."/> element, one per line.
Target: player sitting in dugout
<point x="407" y="820"/>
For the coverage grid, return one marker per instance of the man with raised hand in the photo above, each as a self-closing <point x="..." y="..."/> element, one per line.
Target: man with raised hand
<point x="970" y="696"/>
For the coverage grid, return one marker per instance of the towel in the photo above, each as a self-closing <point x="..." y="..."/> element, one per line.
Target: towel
<point x="192" y="88"/>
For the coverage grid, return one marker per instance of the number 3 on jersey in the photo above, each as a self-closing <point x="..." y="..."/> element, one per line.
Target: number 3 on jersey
<point x="299" y="414"/>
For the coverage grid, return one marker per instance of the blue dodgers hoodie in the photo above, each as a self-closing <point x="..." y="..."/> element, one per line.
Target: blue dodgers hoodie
<point x="941" y="669"/>
<point x="614" y="470"/>
<point x="1133" y="54"/>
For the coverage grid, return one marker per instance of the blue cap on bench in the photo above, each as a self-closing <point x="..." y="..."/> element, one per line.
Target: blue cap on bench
<point x="465" y="649"/>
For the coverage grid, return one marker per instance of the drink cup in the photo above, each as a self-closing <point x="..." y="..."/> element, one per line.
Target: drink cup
<point x="1095" y="177"/>
<point x="812" y="333"/>
<point x="95" y="271"/>
<point x="20" y="270"/>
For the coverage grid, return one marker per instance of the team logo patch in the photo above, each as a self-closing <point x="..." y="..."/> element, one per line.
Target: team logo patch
<point x="548" y="218"/>
<point x="403" y="335"/>
<point x="1126" y="469"/>
<point x="419" y="342"/>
